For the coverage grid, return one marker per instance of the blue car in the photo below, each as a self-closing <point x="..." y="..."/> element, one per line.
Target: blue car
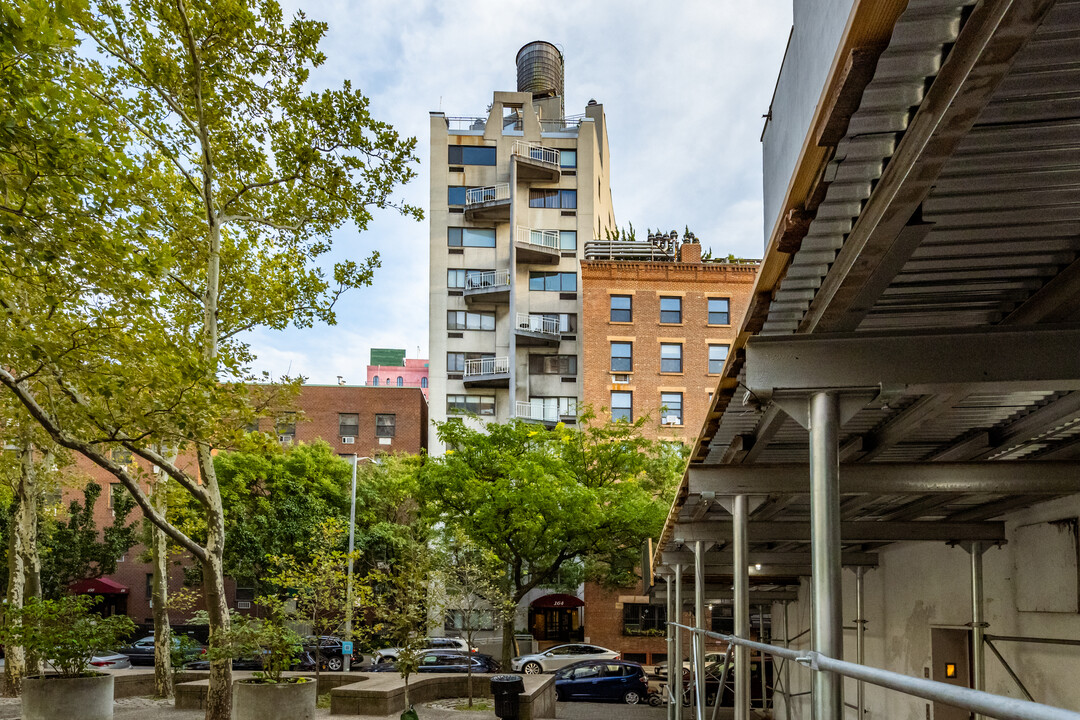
<point x="602" y="680"/>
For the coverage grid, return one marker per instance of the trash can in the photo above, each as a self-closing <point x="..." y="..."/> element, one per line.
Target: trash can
<point x="507" y="690"/>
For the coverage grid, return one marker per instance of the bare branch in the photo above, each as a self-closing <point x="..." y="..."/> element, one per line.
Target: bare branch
<point x="254" y="186"/>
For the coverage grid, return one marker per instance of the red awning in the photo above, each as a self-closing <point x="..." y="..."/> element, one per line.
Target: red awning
<point x="557" y="600"/>
<point x="98" y="586"/>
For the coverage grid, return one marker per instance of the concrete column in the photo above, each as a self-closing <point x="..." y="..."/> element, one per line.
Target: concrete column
<point x="741" y="571"/>
<point x="827" y="689"/>
<point x="512" y="315"/>
<point x="699" y="623"/>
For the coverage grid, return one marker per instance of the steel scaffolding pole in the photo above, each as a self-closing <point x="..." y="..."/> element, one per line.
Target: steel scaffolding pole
<point x="978" y="624"/>
<point x="740" y="547"/>
<point x="699" y="623"/>
<point x="676" y="660"/>
<point x="860" y="639"/>
<point x="828" y="636"/>
<point x="670" y="649"/>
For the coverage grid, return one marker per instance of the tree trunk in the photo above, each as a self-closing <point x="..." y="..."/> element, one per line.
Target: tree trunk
<point x="163" y="671"/>
<point x="508" y="641"/>
<point x="407" y="703"/>
<point x="22" y="524"/>
<point x="219" y="694"/>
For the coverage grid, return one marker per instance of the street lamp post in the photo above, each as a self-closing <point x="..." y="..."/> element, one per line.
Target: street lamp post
<point x="347" y="657"/>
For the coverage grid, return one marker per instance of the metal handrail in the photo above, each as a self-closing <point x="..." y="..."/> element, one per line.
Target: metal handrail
<point x="529" y="411"/>
<point x="538" y="324"/>
<point x="487" y="366"/>
<point x="498" y="191"/>
<point x="466" y="123"/>
<point x="487" y="279"/>
<point x="570" y="122"/>
<point x="542" y="238"/>
<point x="979" y="701"/>
<point x="532" y="151"/>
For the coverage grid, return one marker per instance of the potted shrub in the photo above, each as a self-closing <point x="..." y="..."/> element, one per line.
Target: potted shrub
<point x="66" y="633"/>
<point x="269" y="694"/>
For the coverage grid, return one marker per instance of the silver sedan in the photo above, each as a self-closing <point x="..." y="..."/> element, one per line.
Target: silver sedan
<point x="560" y="656"/>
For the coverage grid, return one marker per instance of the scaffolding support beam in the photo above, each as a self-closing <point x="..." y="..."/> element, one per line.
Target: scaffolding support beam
<point x="740" y="546"/>
<point x="699" y="623"/>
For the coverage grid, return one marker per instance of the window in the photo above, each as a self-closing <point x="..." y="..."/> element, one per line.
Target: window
<point x="568" y="158"/>
<point x="423" y="382"/>
<point x="116" y="491"/>
<point x="470" y="237"/>
<point x="723" y="619"/>
<point x="120" y="455"/>
<point x="475" y="404"/>
<point x="455" y="194"/>
<point x="458" y="279"/>
<point x="621" y="308"/>
<point x="464" y="320"/>
<point x="286" y="424"/>
<point x="671" y="309"/>
<point x="150" y="585"/>
<point x="375" y="381"/>
<point x="671" y="409"/>
<point x="567" y="321"/>
<point x="470" y="155"/>
<point x="719" y="311"/>
<point x="671" y="357"/>
<point x="568" y="240"/>
<point x="348" y="424"/>
<point x="552" y="408"/>
<point x="553" y="364"/>
<point x="455" y="362"/>
<point x="717" y="356"/>
<point x="622" y="357"/>
<point x="553" y="281"/>
<point x="622" y="406"/>
<point x="400" y="381"/>
<point x="385" y="425"/>
<point x="387" y="380"/>
<point x="639" y="618"/>
<point x="553" y="198"/>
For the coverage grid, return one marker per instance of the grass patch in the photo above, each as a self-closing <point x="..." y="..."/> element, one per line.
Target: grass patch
<point x="323" y="701"/>
<point x="478" y="705"/>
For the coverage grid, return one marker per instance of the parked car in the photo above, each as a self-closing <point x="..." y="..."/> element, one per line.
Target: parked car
<point x="431" y="643"/>
<point x="559" y="657"/>
<point x="330" y="652"/>
<point x="660" y="669"/>
<point x="602" y="680"/>
<point x="447" y="661"/>
<point x="141" y="651"/>
<point x="110" y="661"/>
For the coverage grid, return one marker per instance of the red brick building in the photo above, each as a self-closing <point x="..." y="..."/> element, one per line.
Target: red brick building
<point x="656" y="337"/>
<point x="352" y="419"/>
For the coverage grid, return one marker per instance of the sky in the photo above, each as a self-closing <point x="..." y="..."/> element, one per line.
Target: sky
<point x="684" y="84"/>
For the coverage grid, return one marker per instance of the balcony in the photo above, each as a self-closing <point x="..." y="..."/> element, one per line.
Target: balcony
<point x="536" y="412"/>
<point x="536" y="163"/>
<point x="489" y="287"/>
<point x="491" y="203"/>
<point x="537" y="331"/>
<point x="490" y="372"/>
<point x="537" y="247"/>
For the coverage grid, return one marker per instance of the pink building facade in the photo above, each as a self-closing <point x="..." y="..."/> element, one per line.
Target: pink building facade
<point x="413" y="374"/>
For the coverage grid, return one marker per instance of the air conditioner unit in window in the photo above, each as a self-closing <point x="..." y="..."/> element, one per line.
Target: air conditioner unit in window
<point x="348" y="439"/>
<point x="671" y="420"/>
<point x="284" y="439"/>
<point x="243" y="605"/>
<point x="620" y="379"/>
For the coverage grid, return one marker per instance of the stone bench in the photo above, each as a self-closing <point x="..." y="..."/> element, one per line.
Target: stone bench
<point x="191" y="694"/>
<point x="383" y="694"/>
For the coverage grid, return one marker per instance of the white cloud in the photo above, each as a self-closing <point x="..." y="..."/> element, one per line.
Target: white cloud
<point x="684" y="86"/>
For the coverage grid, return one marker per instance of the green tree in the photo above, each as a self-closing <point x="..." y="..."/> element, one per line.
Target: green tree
<point x="544" y="501"/>
<point x="170" y="183"/>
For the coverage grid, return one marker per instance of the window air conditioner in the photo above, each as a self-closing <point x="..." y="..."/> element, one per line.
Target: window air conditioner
<point x="243" y="605"/>
<point x="671" y="420"/>
<point x="348" y="439"/>
<point x="285" y="438"/>
<point x="620" y="379"/>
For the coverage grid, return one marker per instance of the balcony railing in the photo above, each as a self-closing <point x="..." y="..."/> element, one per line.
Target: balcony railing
<point x="541" y="238"/>
<point x="475" y="196"/>
<point x="538" y="324"/>
<point x="489" y="279"/>
<point x="536" y="411"/>
<point x="466" y="123"/>
<point x="487" y="366"/>
<point x="566" y="124"/>
<point x="539" y="153"/>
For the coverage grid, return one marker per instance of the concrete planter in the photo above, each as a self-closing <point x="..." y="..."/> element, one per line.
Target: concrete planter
<point x="270" y="701"/>
<point x="51" y="697"/>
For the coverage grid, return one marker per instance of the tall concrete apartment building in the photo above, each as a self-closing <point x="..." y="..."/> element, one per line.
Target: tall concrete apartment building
<point x="514" y="197"/>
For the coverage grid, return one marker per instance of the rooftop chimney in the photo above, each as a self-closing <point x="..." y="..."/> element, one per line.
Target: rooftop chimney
<point x="690" y="252"/>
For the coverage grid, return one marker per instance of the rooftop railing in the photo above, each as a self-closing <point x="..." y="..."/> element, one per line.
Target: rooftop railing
<point x="466" y="123"/>
<point x="489" y="279"/>
<point x="541" y="238"/>
<point x="475" y="196"/>
<point x="569" y="124"/>
<point x="539" y="153"/>
<point x="487" y="366"/>
<point x="538" y="324"/>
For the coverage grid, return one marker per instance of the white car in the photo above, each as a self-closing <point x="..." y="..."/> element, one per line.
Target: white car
<point x="710" y="657"/>
<point x="431" y="643"/>
<point x="560" y="656"/>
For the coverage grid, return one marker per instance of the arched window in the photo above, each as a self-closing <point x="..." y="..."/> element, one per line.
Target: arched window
<point x="375" y="381"/>
<point x="388" y="381"/>
<point x="400" y="381"/>
<point x="423" y="382"/>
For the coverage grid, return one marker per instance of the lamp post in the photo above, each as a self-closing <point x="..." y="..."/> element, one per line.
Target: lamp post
<point x="347" y="657"/>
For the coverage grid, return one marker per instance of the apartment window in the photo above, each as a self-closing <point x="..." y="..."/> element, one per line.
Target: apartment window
<point x="553" y="199"/>
<point x="455" y="361"/>
<point x="400" y="381"/>
<point x="455" y="194"/>
<point x="553" y="281"/>
<point x="719" y="311"/>
<point x="470" y="155"/>
<point x="621" y="308"/>
<point x="348" y="424"/>
<point x="671" y="309"/>
<point x="568" y="240"/>
<point x="423" y="382"/>
<point x="286" y="424"/>
<point x="387" y="381"/>
<point x="474" y="404"/>
<point x="639" y="618"/>
<point x="462" y="620"/>
<point x="465" y="320"/>
<point x="671" y="409"/>
<point x="470" y="237"/>
<point x="567" y="321"/>
<point x="622" y="357"/>
<point x="622" y="406"/>
<point x="552" y="408"/>
<point x="149" y="585"/>
<point x="385" y="425"/>
<point x="717" y="356"/>
<point x="671" y="357"/>
<point x="553" y="364"/>
<point x="568" y="158"/>
<point x="120" y="455"/>
<point x="375" y="381"/>
<point x="458" y="279"/>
